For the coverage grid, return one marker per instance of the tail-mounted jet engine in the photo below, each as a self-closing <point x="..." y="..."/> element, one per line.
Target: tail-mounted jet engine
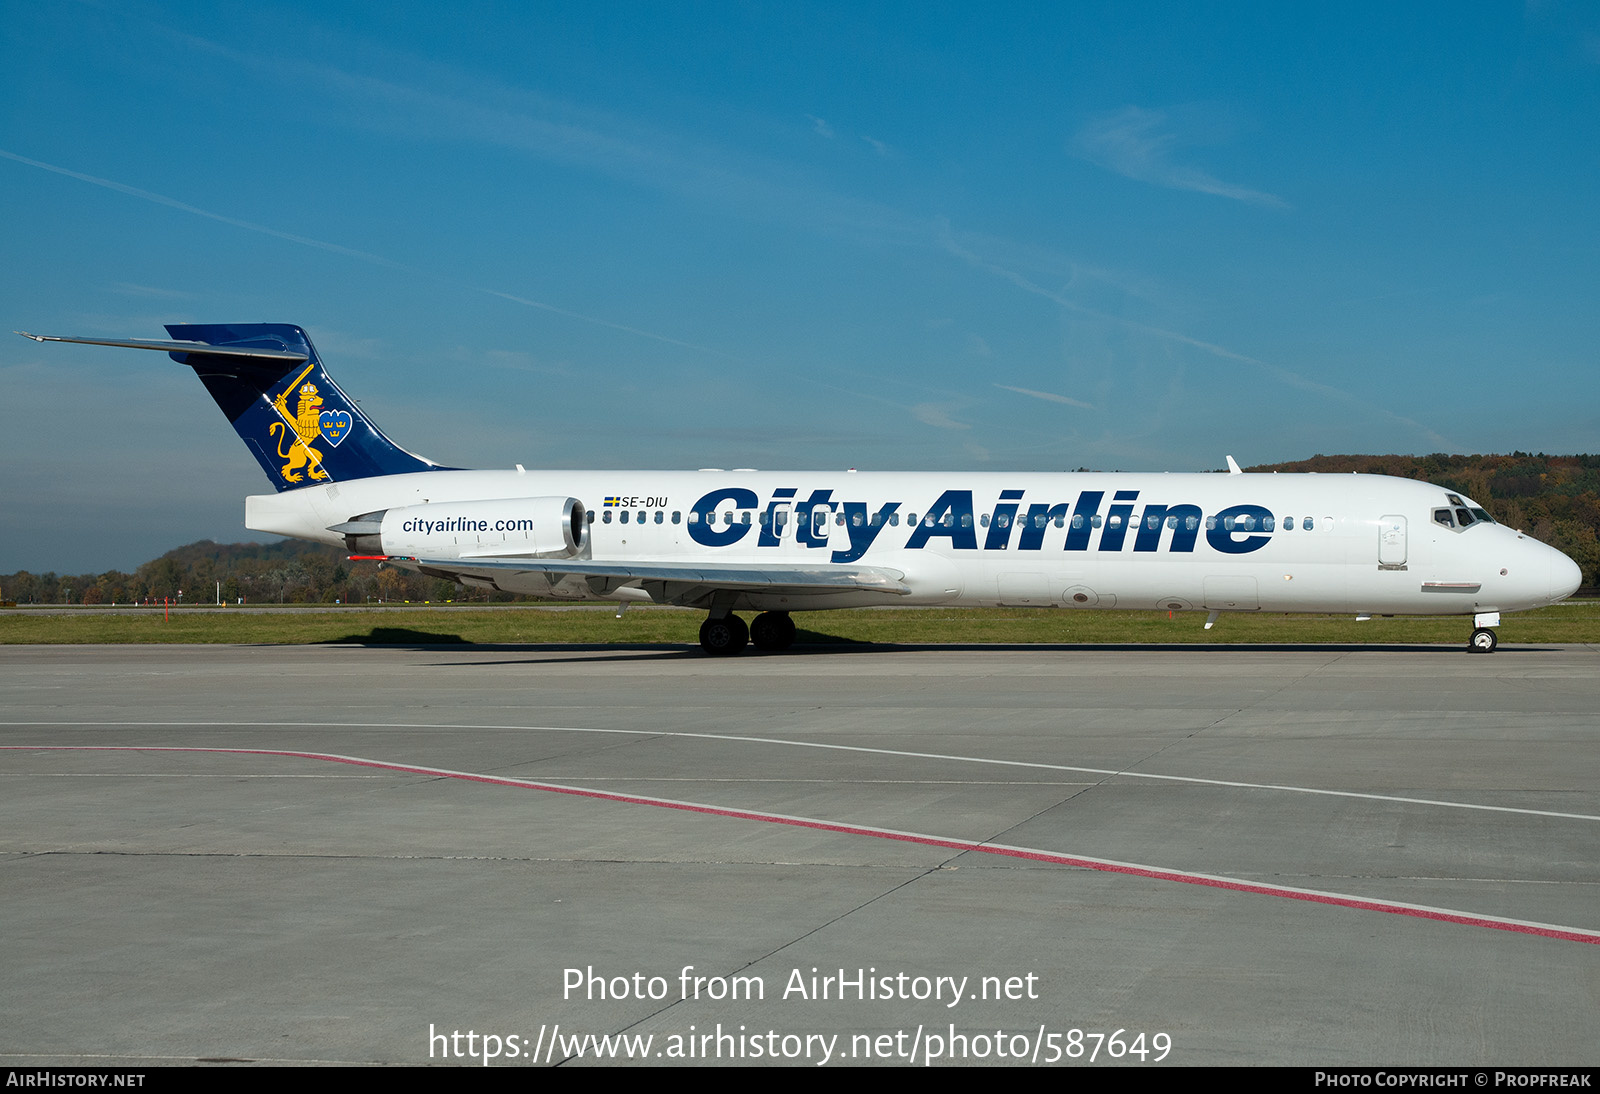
<point x="509" y="528"/>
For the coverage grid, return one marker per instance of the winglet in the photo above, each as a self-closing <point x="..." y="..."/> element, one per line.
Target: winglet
<point x="1233" y="467"/>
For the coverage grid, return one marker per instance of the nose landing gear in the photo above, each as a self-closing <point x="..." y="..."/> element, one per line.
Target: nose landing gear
<point x="1483" y="639"/>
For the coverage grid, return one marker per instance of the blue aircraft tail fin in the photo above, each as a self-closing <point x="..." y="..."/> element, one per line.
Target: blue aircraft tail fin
<point x="302" y="429"/>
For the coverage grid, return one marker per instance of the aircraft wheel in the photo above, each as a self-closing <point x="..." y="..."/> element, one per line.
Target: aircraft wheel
<point x="724" y="637"/>
<point x="1483" y="641"/>
<point x="772" y="631"/>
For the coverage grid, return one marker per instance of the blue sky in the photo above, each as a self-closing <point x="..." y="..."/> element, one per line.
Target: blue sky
<point x="891" y="236"/>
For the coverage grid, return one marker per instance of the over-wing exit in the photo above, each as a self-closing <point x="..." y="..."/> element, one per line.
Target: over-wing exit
<point x="781" y="542"/>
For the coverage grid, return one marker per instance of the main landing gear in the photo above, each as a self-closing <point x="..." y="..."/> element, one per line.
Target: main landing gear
<point x="725" y="636"/>
<point x="772" y="631"/>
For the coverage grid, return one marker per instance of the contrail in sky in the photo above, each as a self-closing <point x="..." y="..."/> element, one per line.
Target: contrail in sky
<point x="349" y="252"/>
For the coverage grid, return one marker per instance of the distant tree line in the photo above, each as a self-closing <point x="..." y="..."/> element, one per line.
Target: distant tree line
<point x="290" y="572"/>
<point x="1555" y="499"/>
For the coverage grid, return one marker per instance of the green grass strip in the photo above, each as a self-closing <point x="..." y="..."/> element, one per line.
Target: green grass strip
<point x="539" y="625"/>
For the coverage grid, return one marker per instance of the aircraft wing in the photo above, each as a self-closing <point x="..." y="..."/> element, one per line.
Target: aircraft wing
<point x="678" y="582"/>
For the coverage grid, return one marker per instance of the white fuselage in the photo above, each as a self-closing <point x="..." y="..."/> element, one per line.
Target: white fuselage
<point x="1318" y="543"/>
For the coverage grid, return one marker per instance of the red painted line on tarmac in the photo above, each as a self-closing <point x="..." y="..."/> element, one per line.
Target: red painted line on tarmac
<point x="1442" y="915"/>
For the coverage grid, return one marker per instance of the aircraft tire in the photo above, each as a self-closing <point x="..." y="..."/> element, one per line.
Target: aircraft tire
<point x="725" y="637"/>
<point x="772" y="631"/>
<point x="1483" y="640"/>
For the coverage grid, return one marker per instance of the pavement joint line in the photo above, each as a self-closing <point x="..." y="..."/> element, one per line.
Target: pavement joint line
<point x="960" y="846"/>
<point x="1110" y="772"/>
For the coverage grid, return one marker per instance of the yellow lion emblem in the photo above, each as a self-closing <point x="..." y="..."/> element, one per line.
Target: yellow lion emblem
<point x="306" y="429"/>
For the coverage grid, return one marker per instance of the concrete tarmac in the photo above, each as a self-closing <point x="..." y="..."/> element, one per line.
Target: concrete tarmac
<point x="1313" y="856"/>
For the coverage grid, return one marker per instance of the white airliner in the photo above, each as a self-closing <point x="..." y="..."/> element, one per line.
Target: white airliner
<point x="781" y="542"/>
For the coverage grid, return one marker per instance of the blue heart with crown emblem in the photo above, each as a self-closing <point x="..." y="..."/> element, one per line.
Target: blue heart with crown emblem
<point x="334" y="425"/>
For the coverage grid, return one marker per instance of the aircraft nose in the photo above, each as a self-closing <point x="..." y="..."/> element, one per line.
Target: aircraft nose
<point x="1565" y="576"/>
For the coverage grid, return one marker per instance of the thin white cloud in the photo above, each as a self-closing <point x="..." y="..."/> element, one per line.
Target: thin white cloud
<point x="878" y="146"/>
<point x="1139" y="144"/>
<point x="820" y="127"/>
<point x="1283" y="375"/>
<point x="1048" y="396"/>
<point x="124" y="288"/>
<point x="936" y="415"/>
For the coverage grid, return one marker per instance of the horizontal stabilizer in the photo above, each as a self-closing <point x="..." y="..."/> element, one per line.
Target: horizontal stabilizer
<point x="244" y="352"/>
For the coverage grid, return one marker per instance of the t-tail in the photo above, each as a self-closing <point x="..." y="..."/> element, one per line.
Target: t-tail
<point x="269" y="381"/>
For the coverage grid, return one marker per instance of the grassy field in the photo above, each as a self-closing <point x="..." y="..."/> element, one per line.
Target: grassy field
<point x="534" y="625"/>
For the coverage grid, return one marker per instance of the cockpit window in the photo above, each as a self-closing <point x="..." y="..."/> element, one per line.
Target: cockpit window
<point x="1482" y="515"/>
<point x="1442" y="516"/>
<point x="1464" y="517"/>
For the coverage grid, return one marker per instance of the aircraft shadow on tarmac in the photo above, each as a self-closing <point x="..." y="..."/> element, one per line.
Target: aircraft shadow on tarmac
<point x="662" y="651"/>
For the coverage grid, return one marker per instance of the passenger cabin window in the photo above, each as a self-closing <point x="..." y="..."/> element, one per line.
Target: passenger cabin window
<point x="606" y="517"/>
<point x="676" y="513"/>
<point x="1308" y="524"/>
